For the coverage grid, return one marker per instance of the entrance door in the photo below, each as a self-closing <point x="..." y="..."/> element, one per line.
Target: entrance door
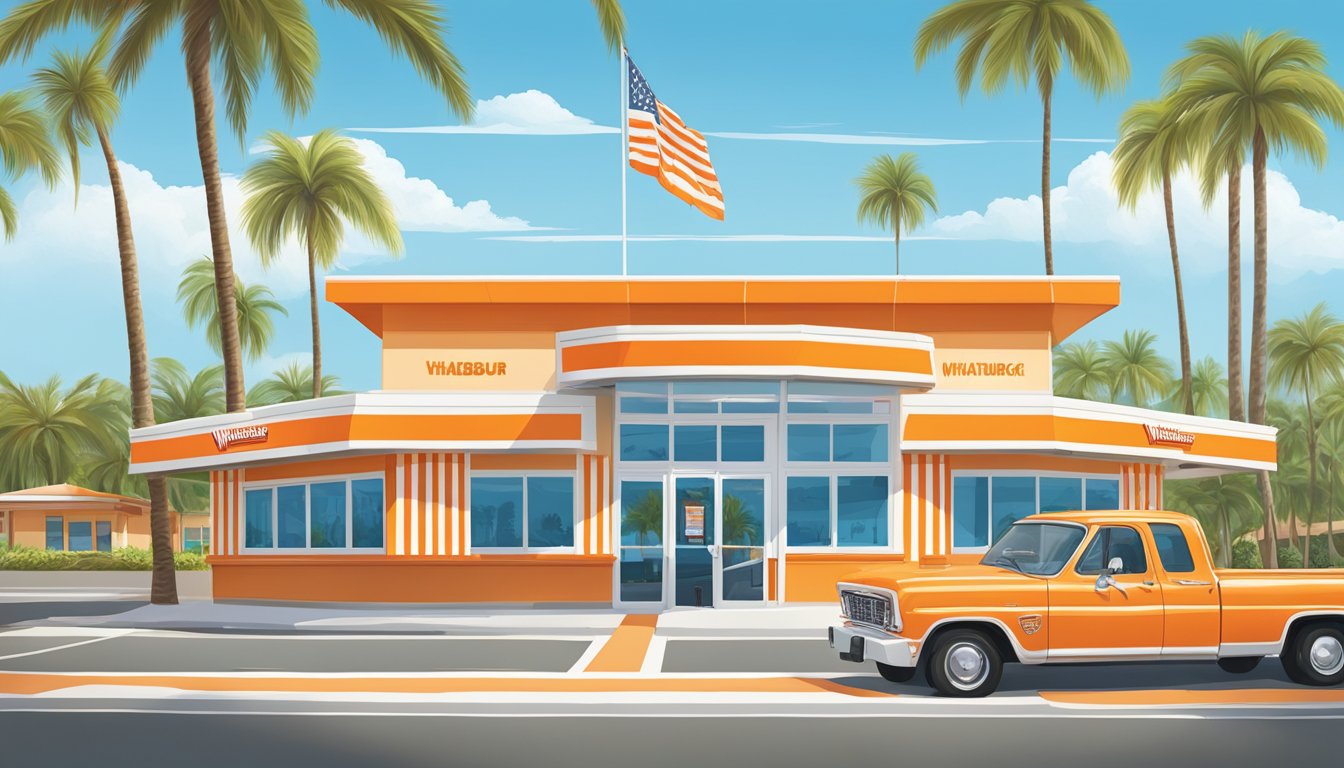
<point x="741" y="561"/>
<point x="643" y="513"/>
<point x="695" y="540"/>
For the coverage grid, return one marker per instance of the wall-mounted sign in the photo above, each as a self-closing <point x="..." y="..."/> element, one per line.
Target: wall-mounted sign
<point x="695" y="521"/>
<point x="958" y="368"/>
<point x="1160" y="435"/>
<point x="464" y="368"/>
<point x="231" y="436"/>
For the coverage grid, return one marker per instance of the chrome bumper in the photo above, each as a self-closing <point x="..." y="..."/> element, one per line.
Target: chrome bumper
<point x="859" y="643"/>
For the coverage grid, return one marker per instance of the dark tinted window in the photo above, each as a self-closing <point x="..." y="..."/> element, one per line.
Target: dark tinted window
<point x="1114" y="541"/>
<point x="1172" y="548"/>
<point x="1040" y="549"/>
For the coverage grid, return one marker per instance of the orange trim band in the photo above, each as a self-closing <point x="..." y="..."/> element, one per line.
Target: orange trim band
<point x="743" y="352"/>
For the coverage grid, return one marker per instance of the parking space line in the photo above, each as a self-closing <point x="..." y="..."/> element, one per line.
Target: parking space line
<point x="653" y="660"/>
<point x="625" y="650"/>
<point x="63" y="647"/>
<point x="1188" y="698"/>
<point x="587" y="657"/>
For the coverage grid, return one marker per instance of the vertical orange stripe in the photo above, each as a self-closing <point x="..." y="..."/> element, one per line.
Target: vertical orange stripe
<point x="214" y="513"/>
<point x="1161" y="477"/>
<point x="407" y="500"/>
<point x="905" y="501"/>
<point x="435" y="494"/>
<point x="937" y="505"/>
<point x="601" y="505"/>
<point x="233" y="510"/>
<point x="462" y="500"/>
<point x="588" y="512"/>
<point x="1124" y="486"/>
<point x="422" y="505"/>
<point x="947" y="504"/>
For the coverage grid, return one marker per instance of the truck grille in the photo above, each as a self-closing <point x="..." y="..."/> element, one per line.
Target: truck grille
<point x="863" y="608"/>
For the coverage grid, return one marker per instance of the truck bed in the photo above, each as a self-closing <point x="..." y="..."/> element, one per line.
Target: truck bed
<point x="1258" y="604"/>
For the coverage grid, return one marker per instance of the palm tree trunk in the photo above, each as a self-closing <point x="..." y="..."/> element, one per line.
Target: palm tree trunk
<point x="898" y="248"/>
<point x="1187" y="394"/>
<point x="163" y="586"/>
<point x="317" y="330"/>
<point x="1330" y="517"/>
<point x="1045" y="182"/>
<point x="1236" y="398"/>
<point x="1260" y="279"/>
<point x="203" y="101"/>
<point x="1311" y="471"/>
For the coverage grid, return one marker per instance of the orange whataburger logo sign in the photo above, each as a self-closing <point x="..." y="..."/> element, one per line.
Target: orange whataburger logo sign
<point x="984" y="369"/>
<point x="231" y="436"/>
<point x="1160" y="435"/>
<point x="465" y="368"/>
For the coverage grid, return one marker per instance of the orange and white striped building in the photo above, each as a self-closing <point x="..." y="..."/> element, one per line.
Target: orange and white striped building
<point x="647" y="442"/>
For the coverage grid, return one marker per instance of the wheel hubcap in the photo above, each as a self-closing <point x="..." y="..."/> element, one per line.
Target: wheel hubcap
<point x="967" y="666"/>
<point x="1327" y="655"/>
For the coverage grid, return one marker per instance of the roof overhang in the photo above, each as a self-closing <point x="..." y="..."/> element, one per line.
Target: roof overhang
<point x="372" y="422"/>
<point x="1186" y="446"/>
<point x="594" y="356"/>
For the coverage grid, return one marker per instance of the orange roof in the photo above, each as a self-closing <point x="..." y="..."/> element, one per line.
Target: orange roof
<point x="67" y="494"/>
<point x="1060" y="305"/>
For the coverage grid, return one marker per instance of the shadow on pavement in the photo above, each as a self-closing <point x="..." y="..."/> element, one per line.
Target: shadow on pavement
<point x="12" y="613"/>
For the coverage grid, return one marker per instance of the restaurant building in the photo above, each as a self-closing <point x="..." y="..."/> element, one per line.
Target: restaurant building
<point x="656" y="442"/>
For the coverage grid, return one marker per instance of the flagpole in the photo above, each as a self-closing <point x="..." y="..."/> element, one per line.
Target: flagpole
<point x="624" y="127"/>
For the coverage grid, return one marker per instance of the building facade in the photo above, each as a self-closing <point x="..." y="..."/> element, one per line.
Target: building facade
<point x="68" y="517"/>
<point x="660" y="442"/>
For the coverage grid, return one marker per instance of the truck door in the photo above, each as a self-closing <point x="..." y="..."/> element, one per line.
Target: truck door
<point x="1120" y="620"/>
<point x="1189" y="590"/>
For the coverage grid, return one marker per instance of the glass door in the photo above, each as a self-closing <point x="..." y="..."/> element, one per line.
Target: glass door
<point x="741" y="560"/>
<point x="640" y="570"/>
<point x="694" y="537"/>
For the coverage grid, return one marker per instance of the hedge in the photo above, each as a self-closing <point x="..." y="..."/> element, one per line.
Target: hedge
<point x="127" y="559"/>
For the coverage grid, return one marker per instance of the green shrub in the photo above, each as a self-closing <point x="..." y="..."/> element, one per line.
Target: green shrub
<point x="1320" y="552"/>
<point x="1246" y="554"/>
<point x="127" y="559"/>
<point x="1289" y="558"/>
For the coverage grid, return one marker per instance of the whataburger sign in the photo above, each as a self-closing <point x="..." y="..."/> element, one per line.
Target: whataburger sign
<point x="230" y="436"/>
<point x="1162" y="435"/>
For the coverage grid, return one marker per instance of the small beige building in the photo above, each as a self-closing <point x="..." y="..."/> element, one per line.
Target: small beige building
<point x="68" y="517"/>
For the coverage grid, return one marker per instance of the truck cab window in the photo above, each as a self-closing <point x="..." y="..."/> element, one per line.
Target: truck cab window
<point x="1113" y="541"/>
<point x="1172" y="548"/>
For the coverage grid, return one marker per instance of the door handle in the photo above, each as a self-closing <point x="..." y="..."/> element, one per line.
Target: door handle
<point x="1193" y="583"/>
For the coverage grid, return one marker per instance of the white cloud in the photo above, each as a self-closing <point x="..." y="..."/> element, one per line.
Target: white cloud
<point x="171" y="229"/>
<point x="1086" y="209"/>
<point x="531" y="112"/>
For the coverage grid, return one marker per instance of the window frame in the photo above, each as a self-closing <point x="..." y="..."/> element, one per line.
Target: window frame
<point x="1095" y="535"/>
<point x="308" y="549"/>
<point x="833" y="490"/>
<point x="46" y="533"/>
<point x="990" y="474"/>
<point x="524" y="474"/>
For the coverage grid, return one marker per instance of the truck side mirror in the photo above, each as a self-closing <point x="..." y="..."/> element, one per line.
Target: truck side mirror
<point x="1116" y="565"/>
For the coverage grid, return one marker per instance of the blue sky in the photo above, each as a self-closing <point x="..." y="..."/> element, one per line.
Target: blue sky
<point x="844" y="75"/>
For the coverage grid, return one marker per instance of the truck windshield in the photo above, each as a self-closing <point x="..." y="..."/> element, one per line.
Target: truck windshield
<point x="1038" y="549"/>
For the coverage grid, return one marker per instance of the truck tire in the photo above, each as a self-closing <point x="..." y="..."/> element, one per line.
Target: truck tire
<point x="895" y="674"/>
<point x="965" y="664"/>
<point x="1239" y="665"/>
<point x="1315" y="656"/>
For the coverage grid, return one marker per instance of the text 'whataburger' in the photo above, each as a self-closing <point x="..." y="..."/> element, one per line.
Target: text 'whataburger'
<point x="1160" y="435"/>
<point x="464" y="368"/>
<point x="229" y="436"/>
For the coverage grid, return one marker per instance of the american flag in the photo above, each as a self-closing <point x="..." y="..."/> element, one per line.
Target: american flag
<point x="664" y="147"/>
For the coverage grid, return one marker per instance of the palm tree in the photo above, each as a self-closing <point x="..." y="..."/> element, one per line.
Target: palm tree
<point x="1261" y="91"/>
<point x="895" y="194"/>
<point x="1208" y="388"/>
<point x="1018" y="39"/>
<point x="180" y="395"/>
<point x="739" y="523"/>
<point x="1137" y="370"/>
<point x="255" y="305"/>
<point x="1081" y="371"/>
<point x="1155" y="143"/>
<point x="309" y="192"/>
<point x="81" y="101"/>
<point x="46" y="429"/>
<point x="243" y="39"/>
<point x="24" y="147"/>
<point x="1225" y="504"/>
<point x="1307" y="353"/>
<point x="1331" y="447"/>
<point x="645" y="516"/>
<point x="1290" y="419"/>
<point x="290" y="384"/>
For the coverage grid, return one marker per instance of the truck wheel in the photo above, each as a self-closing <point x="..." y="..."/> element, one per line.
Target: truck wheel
<point x="965" y="664"/>
<point x="1316" y="657"/>
<point x="1239" y="665"/>
<point x="895" y="674"/>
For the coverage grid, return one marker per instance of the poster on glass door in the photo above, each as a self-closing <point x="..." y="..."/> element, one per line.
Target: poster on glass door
<point x="695" y="521"/>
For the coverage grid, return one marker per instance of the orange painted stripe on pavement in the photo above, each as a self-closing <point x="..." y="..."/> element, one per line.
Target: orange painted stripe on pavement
<point x="629" y="643"/>
<point x="1157" y="698"/>
<point x="21" y="683"/>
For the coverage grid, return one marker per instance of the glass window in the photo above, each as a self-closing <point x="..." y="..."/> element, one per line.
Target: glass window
<point x="550" y="512"/>
<point x="820" y="397"/>
<point x="696" y="442"/>
<point x="1172" y="548"/>
<point x="1061" y="494"/>
<point x="326" y="528"/>
<point x="1040" y="549"/>
<point x="641" y="513"/>
<point x="643" y="442"/>
<point x="291" y="503"/>
<point x="366" y="512"/>
<point x="861" y="511"/>
<point x="743" y="442"/>
<point x="258" y="506"/>
<point x="81" y="536"/>
<point x="1011" y="499"/>
<point x="102" y="535"/>
<point x="643" y="404"/>
<point x="829" y="406"/>
<point x="196" y="540"/>
<point x="1103" y="494"/>
<point x="1110" y="542"/>
<point x="55" y="533"/>
<point x="497" y="512"/>
<point x="695" y="406"/>
<point x="808" y="511"/>
<point x="809" y="442"/>
<point x="860" y="442"/>
<point x="726" y="388"/>
<point x="970" y="511"/>
<point x="642" y="396"/>
<point x="749" y="406"/>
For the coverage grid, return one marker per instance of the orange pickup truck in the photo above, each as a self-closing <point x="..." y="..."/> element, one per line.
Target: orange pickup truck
<point x="1090" y="587"/>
